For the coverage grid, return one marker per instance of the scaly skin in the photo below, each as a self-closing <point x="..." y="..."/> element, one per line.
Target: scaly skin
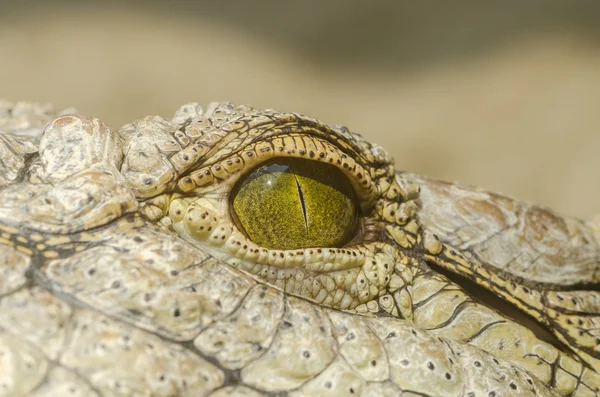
<point x="122" y="272"/>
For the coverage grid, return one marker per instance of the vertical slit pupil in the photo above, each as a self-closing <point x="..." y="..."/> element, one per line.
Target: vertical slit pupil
<point x="302" y="202"/>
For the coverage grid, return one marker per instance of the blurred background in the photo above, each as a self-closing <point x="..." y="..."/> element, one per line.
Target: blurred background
<point x="505" y="95"/>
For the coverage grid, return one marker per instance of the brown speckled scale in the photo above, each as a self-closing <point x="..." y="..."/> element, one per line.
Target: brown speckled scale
<point x="123" y="274"/>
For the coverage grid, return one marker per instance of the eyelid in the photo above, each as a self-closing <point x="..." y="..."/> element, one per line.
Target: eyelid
<point x="239" y="163"/>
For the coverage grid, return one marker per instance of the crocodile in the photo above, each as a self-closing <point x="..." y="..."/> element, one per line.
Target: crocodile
<point x="234" y="251"/>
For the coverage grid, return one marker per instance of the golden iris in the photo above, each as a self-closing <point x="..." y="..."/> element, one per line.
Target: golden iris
<point x="289" y="203"/>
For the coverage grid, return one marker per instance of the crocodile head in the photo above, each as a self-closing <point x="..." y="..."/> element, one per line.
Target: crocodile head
<point x="237" y="251"/>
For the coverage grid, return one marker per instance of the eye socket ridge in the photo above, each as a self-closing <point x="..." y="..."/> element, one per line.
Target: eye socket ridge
<point x="292" y="203"/>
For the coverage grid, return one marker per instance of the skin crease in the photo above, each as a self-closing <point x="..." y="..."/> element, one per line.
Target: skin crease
<point x="123" y="272"/>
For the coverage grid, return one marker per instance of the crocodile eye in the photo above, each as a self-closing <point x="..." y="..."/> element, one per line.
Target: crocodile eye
<point x="290" y="203"/>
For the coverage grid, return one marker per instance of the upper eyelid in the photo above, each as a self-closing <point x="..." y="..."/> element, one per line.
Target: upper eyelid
<point x="234" y="166"/>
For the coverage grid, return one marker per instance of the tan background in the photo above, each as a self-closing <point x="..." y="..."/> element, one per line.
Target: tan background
<point x="505" y="95"/>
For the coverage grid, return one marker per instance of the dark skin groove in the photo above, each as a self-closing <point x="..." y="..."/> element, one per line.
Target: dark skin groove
<point x="497" y="303"/>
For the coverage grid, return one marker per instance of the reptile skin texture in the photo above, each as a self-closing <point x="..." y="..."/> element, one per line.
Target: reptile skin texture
<point x="123" y="273"/>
